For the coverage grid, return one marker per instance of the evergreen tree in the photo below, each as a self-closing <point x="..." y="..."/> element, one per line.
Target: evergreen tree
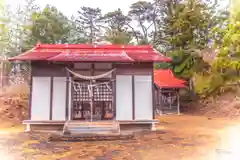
<point x="49" y="26"/>
<point x="116" y="29"/>
<point x="229" y="44"/>
<point x="89" y="20"/>
<point x="185" y="29"/>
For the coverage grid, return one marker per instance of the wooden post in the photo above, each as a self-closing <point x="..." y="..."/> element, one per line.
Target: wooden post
<point x="91" y="100"/>
<point x="160" y="104"/>
<point x="91" y="92"/>
<point x="171" y="96"/>
<point x="153" y="96"/>
<point x="178" y="103"/>
<point x="51" y="98"/>
<point x="28" y="128"/>
<point x="30" y="90"/>
<point x="114" y="93"/>
<point x="67" y="96"/>
<point x="133" y="98"/>
<point x="158" y="99"/>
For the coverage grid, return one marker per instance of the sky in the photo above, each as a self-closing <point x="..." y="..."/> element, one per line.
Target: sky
<point x="70" y="7"/>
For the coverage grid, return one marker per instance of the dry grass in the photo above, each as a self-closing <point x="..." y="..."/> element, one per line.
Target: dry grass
<point x="13" y="105"/>
<point x="15" y="90"/>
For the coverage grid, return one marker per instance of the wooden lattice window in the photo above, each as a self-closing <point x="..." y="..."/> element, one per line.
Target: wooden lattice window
<point x="81" y="93"/>
<point x="103" y="93"/>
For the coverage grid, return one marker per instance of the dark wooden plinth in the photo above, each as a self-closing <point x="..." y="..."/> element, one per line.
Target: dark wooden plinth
<point x="90" y="137"/>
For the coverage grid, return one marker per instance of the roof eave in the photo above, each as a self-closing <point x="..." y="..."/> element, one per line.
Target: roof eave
<point x="171" y="86"/>
<point x="17" y="59"/>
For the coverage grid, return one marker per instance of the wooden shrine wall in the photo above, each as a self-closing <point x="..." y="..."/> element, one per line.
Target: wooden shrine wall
<point x="131" y="109"/>
<point x="49" y="89"/>
<point x="134" y="100"/>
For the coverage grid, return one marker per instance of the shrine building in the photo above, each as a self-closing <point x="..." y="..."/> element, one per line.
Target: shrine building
<point x="82" y="82"/>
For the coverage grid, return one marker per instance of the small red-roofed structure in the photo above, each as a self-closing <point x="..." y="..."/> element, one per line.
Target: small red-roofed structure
<point x="164" y="78"/>
<point x="167" y="91"/>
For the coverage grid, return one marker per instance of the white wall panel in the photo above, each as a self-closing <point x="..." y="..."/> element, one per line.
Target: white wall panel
<point x="40" y="109"/>
<point x="123" y="97"/>
<point x="59" y="98"/>
<point x="143" y="97"/>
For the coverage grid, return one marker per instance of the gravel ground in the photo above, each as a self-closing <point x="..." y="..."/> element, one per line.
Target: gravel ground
<point x="180" y="137"/>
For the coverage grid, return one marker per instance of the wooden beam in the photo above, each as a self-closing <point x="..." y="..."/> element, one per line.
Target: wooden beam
<point x="51" y="98"/>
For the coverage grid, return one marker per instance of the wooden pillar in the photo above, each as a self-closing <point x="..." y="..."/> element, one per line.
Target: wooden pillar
<point x="91" y="100"/>
<point x="114" y="92"/>
<point x="133" y="98"/>
<point x="92" y="91"/>
<point x="160" y="98"/>
<point x="70" y="87"/>
<point x="71" y="100"/>
<point x="153" y="96"/>
<point x="170" y="94"/>
<point x="178" y="103"/>
<point x="157" y="100"/>
<point x="67" y="96"/>
<point x="51" y="98"/>
<point x="30" y="91"/>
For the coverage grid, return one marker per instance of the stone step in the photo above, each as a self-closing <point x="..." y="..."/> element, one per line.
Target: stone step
<point x="81" y="127"/>
<point x="90" y="123"/>
<point x="168" y="108"/>
<point x="169" y="112"/>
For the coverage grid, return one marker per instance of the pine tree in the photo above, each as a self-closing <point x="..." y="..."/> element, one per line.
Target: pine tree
<point x="89" y="20"/>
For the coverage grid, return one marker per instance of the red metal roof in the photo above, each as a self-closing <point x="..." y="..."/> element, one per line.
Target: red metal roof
<point x="86" y="52"/>
<point x="165" y="78"/>
<point x="35" y="55"/>
<point x="86" y="55"/>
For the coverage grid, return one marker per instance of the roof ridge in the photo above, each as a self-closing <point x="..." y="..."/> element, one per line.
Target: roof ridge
<point x="91" y="46"/>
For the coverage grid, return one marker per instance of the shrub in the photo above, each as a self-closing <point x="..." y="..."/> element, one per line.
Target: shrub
<point x="206" y="85"/>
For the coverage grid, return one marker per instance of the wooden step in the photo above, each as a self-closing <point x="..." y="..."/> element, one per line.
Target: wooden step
<point x="82" y="127"/>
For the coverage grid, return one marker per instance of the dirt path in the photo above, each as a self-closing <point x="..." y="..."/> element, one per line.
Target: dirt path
<point x="180" y="138"/>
